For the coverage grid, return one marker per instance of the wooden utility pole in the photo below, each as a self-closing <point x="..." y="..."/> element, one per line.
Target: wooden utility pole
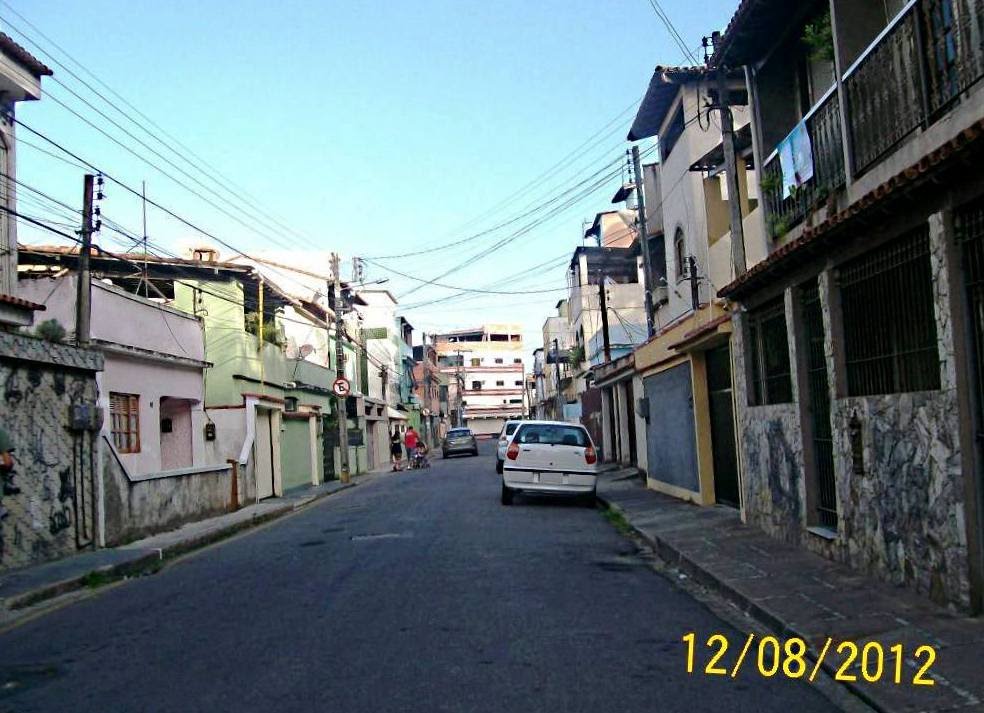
<point x="336" y="288"/>
<point x="603" y="304"/>
<point x="731" y="173"/>
<point x="643" y="240"/>
<point x="83" y="305"/>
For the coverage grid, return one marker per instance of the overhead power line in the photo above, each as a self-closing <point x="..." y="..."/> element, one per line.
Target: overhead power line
<point x="195" y="161"/>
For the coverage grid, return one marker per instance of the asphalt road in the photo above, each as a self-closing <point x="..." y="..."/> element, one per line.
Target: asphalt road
<point x="416" y="592"/>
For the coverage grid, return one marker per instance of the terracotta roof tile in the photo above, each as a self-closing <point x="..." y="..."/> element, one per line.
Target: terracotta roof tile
<point x="28" y="60"/>
<point x="18" y="302"/>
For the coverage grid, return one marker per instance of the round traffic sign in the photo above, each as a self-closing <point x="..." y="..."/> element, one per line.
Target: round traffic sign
<point x="341" y="387"/>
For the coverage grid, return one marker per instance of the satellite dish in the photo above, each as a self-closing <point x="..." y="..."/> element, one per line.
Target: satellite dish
<point x="304" y="351"/>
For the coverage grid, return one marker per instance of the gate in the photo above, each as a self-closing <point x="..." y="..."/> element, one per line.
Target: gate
<point x="969" y="227"/>
<point x="724" y="455"/>
<point x="819" y="405"/>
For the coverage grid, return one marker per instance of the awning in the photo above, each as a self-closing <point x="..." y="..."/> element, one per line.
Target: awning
<point x="395" y="415"/>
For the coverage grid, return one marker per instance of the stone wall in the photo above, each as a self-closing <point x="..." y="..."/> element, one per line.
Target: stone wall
<point x="771" y="452"/>
<point x="137" y="507"/>
<point x="53" y="515"/>
<point x="897" y="459"/>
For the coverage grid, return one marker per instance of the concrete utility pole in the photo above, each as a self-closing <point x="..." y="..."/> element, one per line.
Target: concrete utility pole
<point x="336" y="288"/>
<point x="643" y="240"/>
<point x="459" y="378"/>
<point x="694" y="287"/>
<point x="559" y="399"/>
<point x="731" y="173"/>
<point x="603" y="304"/>
<point x="83" y="306"/>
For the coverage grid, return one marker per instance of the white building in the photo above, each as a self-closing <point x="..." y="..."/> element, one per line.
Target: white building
<point x="487" y="364"/>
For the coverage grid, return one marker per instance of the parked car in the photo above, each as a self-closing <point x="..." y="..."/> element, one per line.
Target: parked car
<point x="508" y="429"/>
<point x="459" y="440"/>
<point x="550" y="457"/>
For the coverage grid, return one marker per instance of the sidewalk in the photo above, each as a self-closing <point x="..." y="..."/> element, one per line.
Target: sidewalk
<point x="796" y="593"/>
<point x="24" y="587"/>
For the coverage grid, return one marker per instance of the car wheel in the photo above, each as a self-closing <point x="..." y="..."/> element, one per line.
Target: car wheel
<point x="498" y="466"/>
<point x="589" y="500"/>
<point x="475" y="452"/>
<point x="507" y="495"/>
<point x="444" y="454"/>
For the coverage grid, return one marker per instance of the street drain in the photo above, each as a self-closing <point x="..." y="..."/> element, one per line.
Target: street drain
<point x="380" y="536"/>
<point x="312" y="543"/>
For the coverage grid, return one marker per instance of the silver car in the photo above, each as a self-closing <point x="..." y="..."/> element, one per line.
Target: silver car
<point x="505" y="435"/>
<point x="459" y="440"/>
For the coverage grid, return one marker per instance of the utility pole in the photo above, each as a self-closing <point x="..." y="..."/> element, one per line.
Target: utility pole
<point x="643" y="240"/>
<point x="459" y="379"/>
<point x="559" y="399"/>
<point x="83" y="306"/>
<point x="336" y="289"/>
<point x="694" y="287"/>
<point x="731" y="171"/>
<point x="603" y="304"/>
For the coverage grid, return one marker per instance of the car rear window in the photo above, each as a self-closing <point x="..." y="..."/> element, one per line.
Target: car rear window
<point x="554" y="435"/>
<point x="458" y="432"/>
<point x="511" y="428"/>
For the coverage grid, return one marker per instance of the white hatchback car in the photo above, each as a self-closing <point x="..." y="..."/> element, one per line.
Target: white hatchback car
<point x="550" y="457"/>
<point x="508" y="429"/>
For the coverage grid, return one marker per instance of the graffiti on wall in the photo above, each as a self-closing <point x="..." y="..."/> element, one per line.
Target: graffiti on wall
<point x="49" y="498"/>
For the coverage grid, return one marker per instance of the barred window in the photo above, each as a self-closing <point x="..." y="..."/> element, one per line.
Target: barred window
<point x="124" y="413"/>
<point x="768" y="345"/>
<point x="889" y="324"/>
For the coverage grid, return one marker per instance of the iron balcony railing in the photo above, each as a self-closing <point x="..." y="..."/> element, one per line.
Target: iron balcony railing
<point x="823" y="124"/>
<point x="916" y="67"/>
<point x="931" y="52"/>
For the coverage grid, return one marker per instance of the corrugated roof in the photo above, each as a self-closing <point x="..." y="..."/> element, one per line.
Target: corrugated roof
<point x="755" y="28"/>
<point x="23" y="57"/>
<point x="788" y="254"/>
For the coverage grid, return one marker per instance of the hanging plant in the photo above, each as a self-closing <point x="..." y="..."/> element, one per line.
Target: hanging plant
<point x="819" y="37"/>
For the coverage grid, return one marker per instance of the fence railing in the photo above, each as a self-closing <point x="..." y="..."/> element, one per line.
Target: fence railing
<point x="930" y="53"/>
<point x="824" y="127"/>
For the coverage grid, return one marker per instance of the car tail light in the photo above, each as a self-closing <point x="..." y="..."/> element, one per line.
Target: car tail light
<point x="590" y="456"/>
<point x="512" y="453"/>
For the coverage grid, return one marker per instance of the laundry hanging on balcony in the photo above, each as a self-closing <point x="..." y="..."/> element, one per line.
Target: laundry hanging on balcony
<point x="796" y="159"/>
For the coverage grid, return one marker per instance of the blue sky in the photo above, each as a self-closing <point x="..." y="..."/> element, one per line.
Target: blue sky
<point x="371" y="128"/>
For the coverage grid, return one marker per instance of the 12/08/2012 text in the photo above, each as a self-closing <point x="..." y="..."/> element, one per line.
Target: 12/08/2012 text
<point x="870" y="661"/>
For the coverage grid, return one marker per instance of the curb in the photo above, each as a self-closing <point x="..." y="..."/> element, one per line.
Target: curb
<point x="141" y="562"/>
<point x="675" y="558"/>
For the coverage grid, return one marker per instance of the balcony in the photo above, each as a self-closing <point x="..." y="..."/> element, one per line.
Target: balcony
<point x="823" y="124"/>
<point x="921" y="62"/>
<point x="908" y="76"/>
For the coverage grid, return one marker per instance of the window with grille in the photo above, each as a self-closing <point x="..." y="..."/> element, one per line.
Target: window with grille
<point x="768" y="346"/>
<point x="889" y="324"/>
<point x="476" y="362"/>
<point x="500" y="383"/>
<point x="124" y="412"/>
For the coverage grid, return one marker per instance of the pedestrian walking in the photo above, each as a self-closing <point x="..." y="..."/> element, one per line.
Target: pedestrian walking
<point x="396" y="450"/>
<point x="410" y="440"/>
